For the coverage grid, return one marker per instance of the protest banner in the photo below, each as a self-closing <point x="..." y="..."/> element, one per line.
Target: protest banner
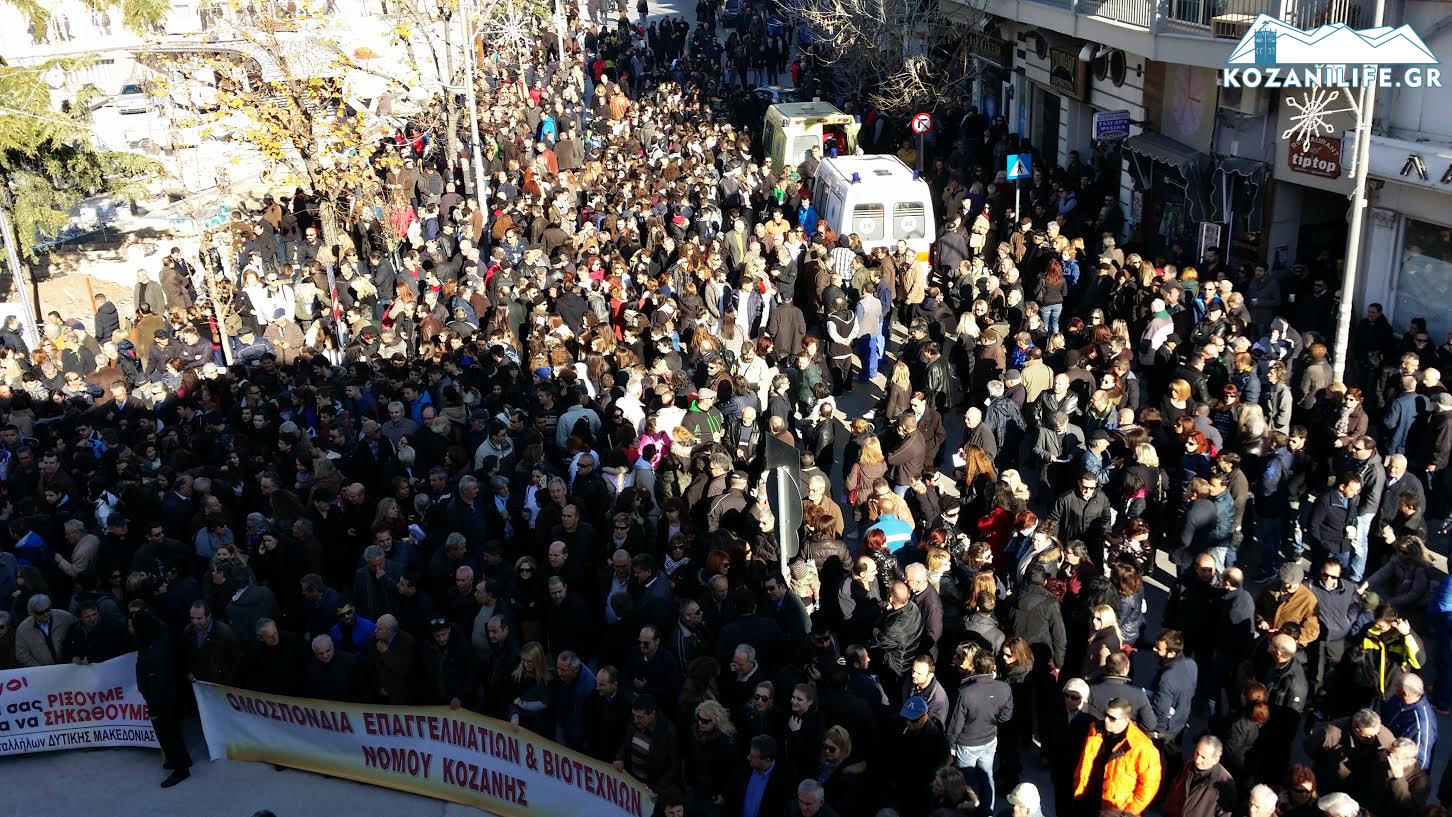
<point x="73" y="706"/>
<point x="433" y="751"/>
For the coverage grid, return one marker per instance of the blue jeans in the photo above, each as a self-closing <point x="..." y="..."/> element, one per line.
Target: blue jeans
<point x="1268" y="532"/>
<point x="869" y="351"/>
<point x="976" y="762"/>
<point x="1358" y="547"/>
<point x="1050" y="313"/>
<point x="1220" y="554"/>
<point x="1442" y="693"/>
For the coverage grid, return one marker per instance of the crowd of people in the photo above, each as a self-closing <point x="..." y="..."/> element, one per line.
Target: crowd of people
<point x="513" y="462"/>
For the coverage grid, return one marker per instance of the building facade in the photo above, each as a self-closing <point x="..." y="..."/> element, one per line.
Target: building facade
<point x="1203" y="164"/>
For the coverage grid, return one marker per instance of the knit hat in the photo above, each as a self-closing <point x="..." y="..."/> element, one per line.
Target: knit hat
<point x="1025" y="796"/>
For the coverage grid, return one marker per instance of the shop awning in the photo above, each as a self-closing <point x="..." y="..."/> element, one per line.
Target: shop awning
<point x="1149" y="149"/>
<point x="1236" y="188"/>
<point x="1160" y="148"/>
<point x="1240" y="166"/>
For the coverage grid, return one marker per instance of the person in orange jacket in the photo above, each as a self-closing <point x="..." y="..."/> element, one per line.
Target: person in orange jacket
<point x="1120" y="766"/>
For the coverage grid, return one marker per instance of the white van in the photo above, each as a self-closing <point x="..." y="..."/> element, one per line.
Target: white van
<point x="791" y="128"/>
<point x="877" y="197"/>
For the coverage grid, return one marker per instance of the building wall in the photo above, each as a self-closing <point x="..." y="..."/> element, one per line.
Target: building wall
<point x="1424" y="111"/>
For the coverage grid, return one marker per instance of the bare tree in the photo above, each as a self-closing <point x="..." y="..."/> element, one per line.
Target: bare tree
<point x="901" y="53"/>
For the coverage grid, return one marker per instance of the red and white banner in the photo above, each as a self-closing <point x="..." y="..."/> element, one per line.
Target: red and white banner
<point x="73" y="706"/>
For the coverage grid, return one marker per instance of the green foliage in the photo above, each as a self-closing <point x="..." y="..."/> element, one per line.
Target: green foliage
<point x="58" y="177"/>
<point x="26" y="118"/>
<point x="136" y="15"/>
<point x="139" y="15"/>
<point x="47" y="157"/>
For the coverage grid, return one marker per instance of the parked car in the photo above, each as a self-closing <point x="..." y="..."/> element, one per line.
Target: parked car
<point x="731" y="12"/>
<point x="772" y="94"/>
<point x="132" y="99"/>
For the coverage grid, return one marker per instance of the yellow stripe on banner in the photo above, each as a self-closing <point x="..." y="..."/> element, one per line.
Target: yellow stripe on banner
<point x="432" y="751"/>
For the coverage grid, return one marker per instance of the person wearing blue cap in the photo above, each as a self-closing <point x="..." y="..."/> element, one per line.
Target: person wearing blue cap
<point x="914" y="756"/>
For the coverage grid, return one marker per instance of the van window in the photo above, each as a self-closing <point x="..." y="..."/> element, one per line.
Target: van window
<point x="868" y="221"/>
<point x="800" y="144"/>
<point x="831" y="205"/>
<point x="909" y="220"/>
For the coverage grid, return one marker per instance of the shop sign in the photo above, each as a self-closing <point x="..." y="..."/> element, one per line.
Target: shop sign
<point x="1068" y="73"/>
<point x="990" y="49"/>
<point x="1319" y="156"/>
<point x="1111" y="126"/>
<point x="1209" y="237"/>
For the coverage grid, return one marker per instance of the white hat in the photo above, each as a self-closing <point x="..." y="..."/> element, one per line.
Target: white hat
<point x="706" y="394"/>
<point x="1025" y="795"/>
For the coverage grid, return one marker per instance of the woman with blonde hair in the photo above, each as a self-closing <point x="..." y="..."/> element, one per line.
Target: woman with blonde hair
<point x="1178" y="403"/>
<point x="710" y="754"/>
<point x="1104" y="640"/>
<point x="842" y="773"/>
<point x="871" y="466"/>
<point x="899" y="392"/>
<point x="530" y="682"/>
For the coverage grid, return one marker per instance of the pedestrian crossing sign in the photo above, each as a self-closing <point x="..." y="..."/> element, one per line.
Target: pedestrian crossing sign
<point x="1020" y="166"/>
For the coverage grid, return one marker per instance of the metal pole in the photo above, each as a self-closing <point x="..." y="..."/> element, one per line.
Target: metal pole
<point x="1362" y="155"/>
<point x="481" y="190"/>
<point x="1017" y="216"/>
<point x="560" y="31"/>
<point x="22" y="282"/>
<point x="223" y="339"/>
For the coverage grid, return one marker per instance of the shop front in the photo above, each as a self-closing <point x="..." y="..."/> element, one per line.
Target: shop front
<point x="988" y="60"/>
<point x="1408" y="263"/>
<point x="1170" y="199"/>
<point x="1311" y="180"/>
<point x="1051" y="92"/>
<point x="1169" y="163"/>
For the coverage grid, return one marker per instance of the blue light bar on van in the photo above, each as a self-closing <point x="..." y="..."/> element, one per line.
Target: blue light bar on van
<point x="856" y="178"/>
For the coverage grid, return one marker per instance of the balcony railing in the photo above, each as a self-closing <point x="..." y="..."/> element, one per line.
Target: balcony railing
<point x="1134" y="12"/>
<point x="1227" y="19"/>
<point x="1230" y="19"/>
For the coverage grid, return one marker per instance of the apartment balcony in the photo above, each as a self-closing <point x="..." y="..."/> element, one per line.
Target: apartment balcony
<point x="1230" y="19"/>
<point x="1193" y="32"/>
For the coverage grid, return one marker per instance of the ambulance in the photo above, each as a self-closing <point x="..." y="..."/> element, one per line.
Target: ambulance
<point x="793" y="127"/>
<point x="879" y="198"/>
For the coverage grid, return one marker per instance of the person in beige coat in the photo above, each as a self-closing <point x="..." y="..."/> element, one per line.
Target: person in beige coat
<point x="40" y="638"/>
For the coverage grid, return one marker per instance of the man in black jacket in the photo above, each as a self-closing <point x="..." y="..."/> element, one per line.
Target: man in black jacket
<point x="450" y="677"/>
<point x="1117" y="684"/>
<point x="607" y="713"/>
<point x="984" y="703"/>
<point x="1034" y="616"/>
<point x="1082" y="513"/>
<point x="274" y="661"/>
<point x="156" y="680"/>
<point x="914" y="757"/>
<point x="1284" y="675"/>
<point x="897" y="635"/>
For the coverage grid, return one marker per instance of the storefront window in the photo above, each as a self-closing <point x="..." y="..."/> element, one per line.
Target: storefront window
<point x="1424" y="283"/>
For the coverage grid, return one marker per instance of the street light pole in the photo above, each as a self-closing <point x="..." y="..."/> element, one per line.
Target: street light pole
<point x="560" y="23"/>
<point x="1362" y="157"/>
<point x="21" y="282"/>
<point x="481" y="190"/>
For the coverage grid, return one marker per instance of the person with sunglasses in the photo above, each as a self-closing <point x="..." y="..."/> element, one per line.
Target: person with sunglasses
<point x="40" y="639"/>
<point x="1120" y="766"/>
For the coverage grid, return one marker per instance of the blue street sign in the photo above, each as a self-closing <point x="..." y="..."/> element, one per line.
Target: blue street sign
<point x="1020" y="166"/>
<point x="1111" y="126"/>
